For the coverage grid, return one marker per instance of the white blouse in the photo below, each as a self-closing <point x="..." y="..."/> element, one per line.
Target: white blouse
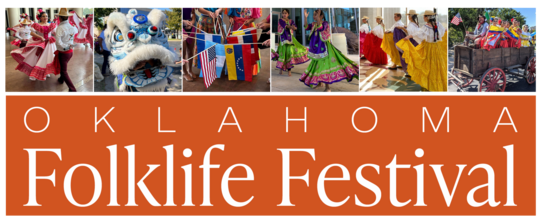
<point x="364" y="28"/>
<point x="378" y="31"/>
<point x="396" y="24"/>
<point x="426" y="33"/>
<point x="23" y="33"/>
<point x="412" y="28"/>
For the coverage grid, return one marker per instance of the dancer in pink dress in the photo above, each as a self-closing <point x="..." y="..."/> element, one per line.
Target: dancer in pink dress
<point x="36" y="59"/>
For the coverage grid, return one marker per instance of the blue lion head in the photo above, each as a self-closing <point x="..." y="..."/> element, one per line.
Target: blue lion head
<point x="140" y="52"/>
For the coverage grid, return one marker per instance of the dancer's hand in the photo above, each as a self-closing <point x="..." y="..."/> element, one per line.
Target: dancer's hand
<point x="266" y="43"/>
<point x="188" y="23"/>
<point x="306" y="13"/>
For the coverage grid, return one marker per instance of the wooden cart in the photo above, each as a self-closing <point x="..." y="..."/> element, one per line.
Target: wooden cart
<point x="491" y="67"/>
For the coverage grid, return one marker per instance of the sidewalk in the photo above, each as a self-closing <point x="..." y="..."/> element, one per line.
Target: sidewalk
<point x="80" y="70"/>
<point x="107" y="84"/>
<point x="284" y="83"/>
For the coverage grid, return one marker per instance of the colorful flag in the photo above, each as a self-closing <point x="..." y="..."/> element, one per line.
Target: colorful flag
<point x="239" y="62"/>
<point x="248" y="36"/>
<point x="457" y="19"/>
<point x="493" y="35"/>
<point x="208" y="64"/>
<point x="201" y="45"/>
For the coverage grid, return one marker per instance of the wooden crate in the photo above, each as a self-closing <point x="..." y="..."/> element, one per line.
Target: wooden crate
<point x="477" y="61"/>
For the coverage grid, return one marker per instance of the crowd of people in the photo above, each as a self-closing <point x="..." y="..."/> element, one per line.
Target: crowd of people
<point x="46" y="46"/>
<point x="420" y="51"/>
<point x="499" y="34"/>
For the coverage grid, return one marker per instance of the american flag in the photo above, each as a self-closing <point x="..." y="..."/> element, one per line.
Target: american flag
<point x="208" y="65"/>
<point x="457" y="19"/>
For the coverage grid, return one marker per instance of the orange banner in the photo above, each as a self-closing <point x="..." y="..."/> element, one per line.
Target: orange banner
<point x="270" y="155"/>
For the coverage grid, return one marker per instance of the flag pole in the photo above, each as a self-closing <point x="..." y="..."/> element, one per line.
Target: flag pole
<point x="199" y="53"/>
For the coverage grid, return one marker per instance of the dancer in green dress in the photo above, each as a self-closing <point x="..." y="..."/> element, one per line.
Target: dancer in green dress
<point x="290" y="51"/>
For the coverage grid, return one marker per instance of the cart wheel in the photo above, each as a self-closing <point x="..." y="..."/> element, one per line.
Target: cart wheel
<point x="530" y="70"/>
<point x="493" y="80"/>
<point x="466" y="80"/>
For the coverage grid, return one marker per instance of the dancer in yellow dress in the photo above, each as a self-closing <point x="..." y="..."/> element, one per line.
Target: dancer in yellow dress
<point x="427" y="62"/>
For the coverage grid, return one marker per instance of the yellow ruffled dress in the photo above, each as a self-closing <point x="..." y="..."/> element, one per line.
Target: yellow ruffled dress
<point x="427" y="62"/>
<point x="389" y="47"/>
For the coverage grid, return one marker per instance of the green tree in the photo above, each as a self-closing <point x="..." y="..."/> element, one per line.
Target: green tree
<point x="99" y="14"/>
<point x="174" y="20"/>
<point x="507" y="14"/>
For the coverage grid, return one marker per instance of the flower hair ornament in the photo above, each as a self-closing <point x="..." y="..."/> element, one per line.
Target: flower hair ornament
<point x="39" y="13"/>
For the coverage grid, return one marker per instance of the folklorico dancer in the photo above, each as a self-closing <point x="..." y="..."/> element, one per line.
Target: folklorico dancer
<point x="525" y="36"/>
<point x="514" y="32"/>
<point x="372" y="49"/>
<point x="22" y="17"/>
<point x="290" y="51"/>
<point x="23" y="34"/>
<point x="411" y="29"/>
<point x="65" y="35"/>
<point x="427" y="62"/>
<point x="364" y="30"/>
<point x="392" y="35"/>
<point x="479" y="32"/>
<point x="328" y="65"/>
<point x="82" y="29"/>
<point x="36" y="59"/>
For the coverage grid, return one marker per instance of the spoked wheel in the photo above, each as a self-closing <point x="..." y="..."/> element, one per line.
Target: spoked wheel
<point x="493" y="80"/>
<point x="530" y="70"/>
<point x="466" y="79"/>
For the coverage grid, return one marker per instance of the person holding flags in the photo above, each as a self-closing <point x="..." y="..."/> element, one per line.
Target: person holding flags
<point x="427" y="62"/>
<point x="243" y="18"/>
<point x="290" y="51"/>
<point x="364" y="30"/>
<point x="328" y="65"/>
<point x="188" y="44"/>
<point x="373" y="42"/>
<point x="491" y="40"/>
<point x="207" y="22"/>
<point x="479" y="32"/>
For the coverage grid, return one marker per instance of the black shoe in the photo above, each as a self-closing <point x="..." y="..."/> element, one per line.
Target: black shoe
<point x="60" y="80"/>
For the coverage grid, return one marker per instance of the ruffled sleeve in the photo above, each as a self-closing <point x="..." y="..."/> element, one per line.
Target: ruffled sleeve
<point x="378" y="31"/>
<point x="441" y="30"/>
<point x="422" y="33"/>
<point x="281" y="26"/>
<point x="326" y="34"/>
<point x="309" y="26"/>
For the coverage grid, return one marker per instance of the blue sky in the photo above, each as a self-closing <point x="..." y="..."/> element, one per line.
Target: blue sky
<point x="163" y="9"/>
<point x="530" y="15"/>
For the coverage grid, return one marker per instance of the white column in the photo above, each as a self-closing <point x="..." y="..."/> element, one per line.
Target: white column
<point x="79" y="11"/>
<point x="13" y="15"/>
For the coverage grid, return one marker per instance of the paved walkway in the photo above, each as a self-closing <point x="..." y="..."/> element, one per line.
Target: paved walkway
<point x="107" y="84"/>
<point x="80" y="70"/>
<point x="393" y="80"/>
<point x="284" y="83"/>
